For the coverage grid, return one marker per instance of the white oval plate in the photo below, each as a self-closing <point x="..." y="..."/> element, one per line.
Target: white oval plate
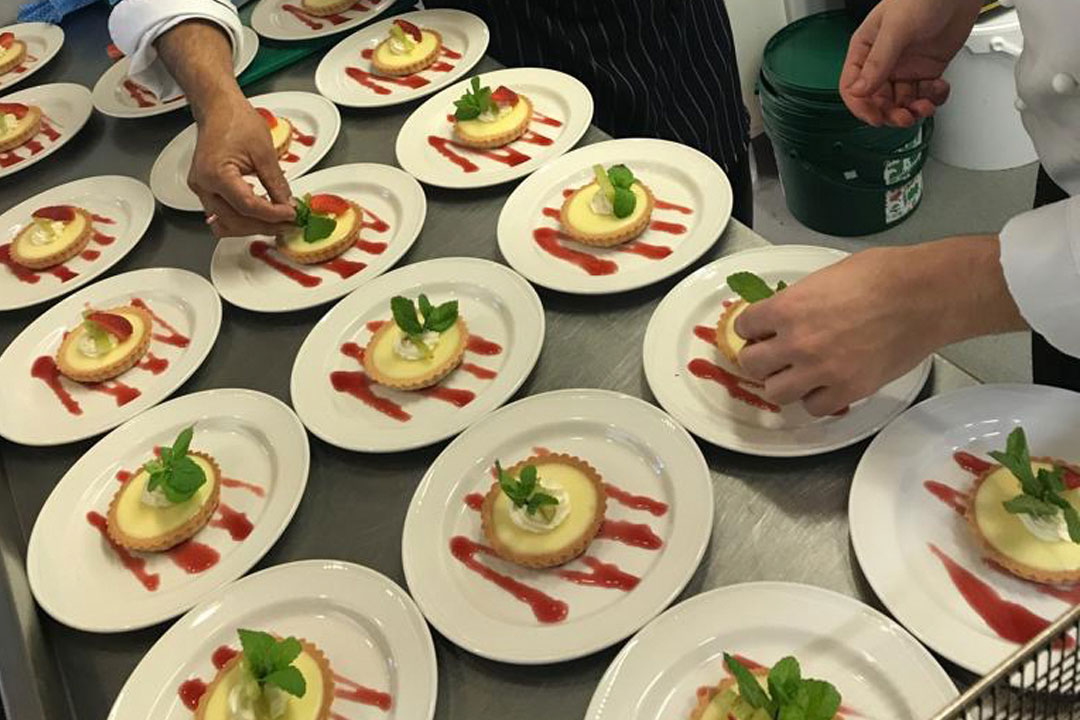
<point x="309" y="113"/>
<point x="894" y="519"/>
<point x="65" y="108"/>
<point x="43" y="41"/>
<point x="112" y="97"/>
<point x="124" y="200"/>
<point x="707" y="409"/>
<point x="694" y="203"/>
<point x="465" y="38"/>
<point x="556" y="96"/>
<point x="182" y="299"/>
<point x="387" y="195"/>
<point x="497" y="306"/>
<point x="634" y="446"/>
<point x="271" y="20"/>
<point x="880" y="670"/>
<point x="77" y="576"/>
<point x="369" y="629"/>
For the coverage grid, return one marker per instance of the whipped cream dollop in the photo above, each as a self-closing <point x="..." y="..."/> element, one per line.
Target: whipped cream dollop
<point x="89" y="348"/>
<point x="247" y="701"/>
<point x="489" y="117"/>
<point x="45" y="231"/>
<point x="10" y="120"/>
<point x="155" y="497"/>
<point x="537" y="523"/>
<point x="407" y="350"/>
<point x="397" y="47"/>
<point x="600" y="204"/>
<point x="1051" y="528"/>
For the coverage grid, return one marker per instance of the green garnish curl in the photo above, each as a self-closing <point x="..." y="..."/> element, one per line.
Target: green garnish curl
<point x="475" y="102"/>
<point x="615" y="184"/>
<point x="315" y="226"/>
<point x="789" y="695"/>
<point x="270" y="661"/>
<point x="178" y="476"/>
<point x="97" y="334"/>
<point x="399" y="35"/>
<point x="524" y="491"/>
<point x="1040" y="493"/>
<point x="752" y="288"/>
<point x="435" y="319"/>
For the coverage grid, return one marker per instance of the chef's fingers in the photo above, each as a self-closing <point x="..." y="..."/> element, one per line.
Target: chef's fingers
<point x="922" y="108"/>
<point x="900" y="117"/>
<point x="823" y="401"/>
<point x="228" y="223"/>
<point x="759" y="360"/>
<point x="267" y="167"/>
<point x="887" y="41"/>
<point x="789" y="386"/>
<point x="904" y="92"/>
<point x="936" y="90"/>
<point x="231" y="185"/>
<point x="757" y="322"/>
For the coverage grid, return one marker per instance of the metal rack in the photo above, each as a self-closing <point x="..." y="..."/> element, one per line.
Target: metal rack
<point x="1037" y="681"/>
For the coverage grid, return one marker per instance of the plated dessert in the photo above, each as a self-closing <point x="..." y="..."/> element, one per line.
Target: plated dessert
<point x="326" y="226"/>
<point x="55" y="234"/>
<point x="12" y="52"/>
<point x="281" y="131"/>
<point x="19" y="123"/>
<point x="420" y="346"/>
<point x="485" y="119"/>
<point x="544" y="511"/>
<point x="106" y="344"/>
<point x="408" y="49"/>
<point x="615" y="208"/>
<point x="326" y="8"/>
<point x="168" y="501"/>
<point x="750" y="289"/>
<point x="753" y="692"/>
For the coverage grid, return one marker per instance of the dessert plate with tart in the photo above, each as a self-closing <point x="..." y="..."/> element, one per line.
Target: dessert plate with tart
<point x="117" y="95"/>
<point x="948" y="534"/>
<point x="306" y="19"/>
<point x="354" y="636"/>
<point x="381" y="65"/>
<point x="303" y="127"/>
<point x="38" y="121"/>
<point x="417" y="355"/>
<point x="105" y="354"/>
<point x="493" y="128"/>
<point x="614" y="216"/>
<point x="557" y="526"/>
<point x="25" y="48"/>
<point x="166" y="509"/>
<point x="676" y="666"/>
<point x="359" y="220"/>
<point x="63" y="238"/>
<point x="689" y="348"/>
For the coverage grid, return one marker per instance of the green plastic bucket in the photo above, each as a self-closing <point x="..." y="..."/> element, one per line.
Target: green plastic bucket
<point x="839" y="175"/>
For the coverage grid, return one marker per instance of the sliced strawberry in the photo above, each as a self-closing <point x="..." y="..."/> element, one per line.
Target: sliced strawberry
<point x="7" y="39"/>
<point x="327" y="204"/>
<point x="504" y="96"/>
<point x="410" y="29"/>
<point x="117" y="325"/>
<point x="59" y="213"/>
<point x="268" y="116"/>
<point x="17" y="109"/>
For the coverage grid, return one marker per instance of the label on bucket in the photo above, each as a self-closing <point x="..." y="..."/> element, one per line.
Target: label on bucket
<point x="900" y="168"/>
<point x="900" y="201"/>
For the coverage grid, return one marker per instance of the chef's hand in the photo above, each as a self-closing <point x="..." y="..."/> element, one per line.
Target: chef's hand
<point x="839" y="334"/>
<point x="892" y="73"/>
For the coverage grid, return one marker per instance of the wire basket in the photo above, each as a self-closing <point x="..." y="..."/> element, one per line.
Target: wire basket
<point x="1040" y="680"/>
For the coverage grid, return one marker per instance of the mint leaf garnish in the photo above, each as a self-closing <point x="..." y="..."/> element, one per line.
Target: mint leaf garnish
<point x="790" y="696"/>
<point x="436" y="319"/>
<point x="752" y="288"/>
<point x="624" y="203"/>
<point x="178" y="476"/>
<point x="749" y="688"/>
<point x="474" y="102"/>
<point x="621" y="176"/>
<point x="1039" y="492"/>
<point x="270" y="660"/>
<point x="524" y="491"/>
<point x="316" y="227"/>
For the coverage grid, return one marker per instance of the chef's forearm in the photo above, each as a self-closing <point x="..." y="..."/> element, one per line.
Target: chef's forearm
<point x="199" y="56"/>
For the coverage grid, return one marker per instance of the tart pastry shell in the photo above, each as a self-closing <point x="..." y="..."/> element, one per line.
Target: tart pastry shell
<point x="610" y="239"/>
<point x="325" y="10"/>
<point x="496" y="141"/>
<point x="283" y="148"/>
<point x="1001" y="559"/>
<point x="177" y="535"/>
<point x="31" y="130"/>
<point x="420" y="382"/>
<point x="413" y="67"/>
<point x="330" y="251"/>
<point x="19" y="56"/>
<point x="727" y="317"/>
<point x="66" y="253"/>
<point x="116" y="367"/>
<point x="572" y="549"/>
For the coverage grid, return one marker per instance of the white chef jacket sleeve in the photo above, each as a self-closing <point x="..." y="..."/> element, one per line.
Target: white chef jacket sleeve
<point x="1040" y="254"/>
<point x="136" y="24"/>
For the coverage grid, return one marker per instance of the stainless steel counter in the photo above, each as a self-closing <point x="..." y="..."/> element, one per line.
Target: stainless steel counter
<point x="775" y="519"/>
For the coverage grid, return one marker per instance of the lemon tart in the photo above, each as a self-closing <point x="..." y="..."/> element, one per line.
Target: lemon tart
<point x="167" y="501"/>
<point x="322" y="8"/>
<point x="729" y="342"/>
<point x="106" y="344"/>
<point x="254" y="683"/>
<point x="341" y="219"/>
<point x="725" y="700"/>
<point x="407" y="50"/>
<point x="546" y="532"/>
<point x="280" y="131"/>
<point x="1037" y="548"/>
<point x="56" y="233"/>
<point x="416" y="350"/>
<point x="12" y="52"/>
<point x="486" y="119"/>
<point x="18" y="124"/>
<point x="613" y="209"/>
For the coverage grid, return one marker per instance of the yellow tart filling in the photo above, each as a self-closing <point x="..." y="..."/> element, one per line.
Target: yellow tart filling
<point x="735" y="341"/>
<point x="16" y="126"/>
<point x="385" y="56"/>
<point x="281" y="132"/>
<point x="77" y="360"/>
<point x="216" y="706"/>
<point x="346" y="223"/>
<point x="583" y="502"/>
<point x="581" y="216"/>
<point x="505" y="122"/>
<point x="140" y="520"/>
<point x="44" y="237"/>
<point x="391" y="364"/>
<point x="10" y="53"/>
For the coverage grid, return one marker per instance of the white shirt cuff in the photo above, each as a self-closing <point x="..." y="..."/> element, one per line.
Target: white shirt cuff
<point x="1040" y="254"/>
<point x="136" y="24"/>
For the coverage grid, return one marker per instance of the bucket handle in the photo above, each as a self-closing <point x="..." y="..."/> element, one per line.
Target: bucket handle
<point x="922" y="147"/>
<point x="860" y="184"/>
<point x="1000" y="44"/>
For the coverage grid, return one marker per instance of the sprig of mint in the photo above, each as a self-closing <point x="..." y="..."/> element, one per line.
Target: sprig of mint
<point x="790" y="696"/>
<point x="270" y="660"/>
<point x="435" y="319"/>
<point x="1040" y="494"/>
<point x="752" y="288"/>
<point x="615" y="183"/>
<point x="178" y="476"/>
<point x="315" y="226"/>
<point x="524" y="491"/>
<point x="474" y="102"/>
